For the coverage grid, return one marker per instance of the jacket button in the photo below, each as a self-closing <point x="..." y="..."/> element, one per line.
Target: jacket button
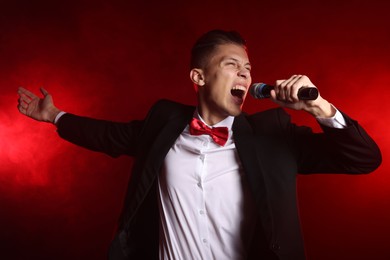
<point x="275" y="247"/>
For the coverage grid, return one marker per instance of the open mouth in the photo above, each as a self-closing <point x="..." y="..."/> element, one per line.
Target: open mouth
<point x="238" y="93"/>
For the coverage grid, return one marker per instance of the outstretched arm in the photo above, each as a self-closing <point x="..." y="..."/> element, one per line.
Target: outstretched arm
<point x="40" y="109"/>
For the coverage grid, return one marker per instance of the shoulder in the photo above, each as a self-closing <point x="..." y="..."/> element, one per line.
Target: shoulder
<point x="169" y="108"/>
<point x="270" y="116"/>
<point x="166" y="110"/>
<point x="274" y="121"/>
<point x="168" y="105"/>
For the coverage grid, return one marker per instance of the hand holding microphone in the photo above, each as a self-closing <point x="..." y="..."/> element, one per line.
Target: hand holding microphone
<point x="295" y="89"/>
<point x="297" y="93"/>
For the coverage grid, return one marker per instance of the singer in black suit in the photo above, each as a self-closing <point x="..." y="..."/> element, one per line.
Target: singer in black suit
<point x="271" y="150"/>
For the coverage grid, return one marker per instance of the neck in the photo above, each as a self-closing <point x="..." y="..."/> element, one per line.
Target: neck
<point x="211" y="118"/>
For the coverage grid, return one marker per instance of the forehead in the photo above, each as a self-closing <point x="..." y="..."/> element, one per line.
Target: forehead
<point x="226" y="51"/>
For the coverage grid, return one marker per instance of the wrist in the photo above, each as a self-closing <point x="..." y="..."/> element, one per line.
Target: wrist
<point x="52" y="115"/>
<point x="321" y="108"/>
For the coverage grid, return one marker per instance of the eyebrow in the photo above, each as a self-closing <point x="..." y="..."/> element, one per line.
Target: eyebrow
<point x="236" y="60"/>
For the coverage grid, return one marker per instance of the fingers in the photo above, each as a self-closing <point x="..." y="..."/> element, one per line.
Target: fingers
<point x="24" y="92"/>
<point x="25" y="96"/>
<point x="23" y="102"/>
<point x="25" y="99"/>
<point x="287" y="90"/>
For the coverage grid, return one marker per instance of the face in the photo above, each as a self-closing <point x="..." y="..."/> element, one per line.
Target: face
<point x="225" y="83"/>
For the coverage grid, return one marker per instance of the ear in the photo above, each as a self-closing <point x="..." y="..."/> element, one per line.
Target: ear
<point x="197" y="77"/>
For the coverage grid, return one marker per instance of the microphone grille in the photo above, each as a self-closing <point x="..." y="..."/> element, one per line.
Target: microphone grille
<point x="256" y="90"/>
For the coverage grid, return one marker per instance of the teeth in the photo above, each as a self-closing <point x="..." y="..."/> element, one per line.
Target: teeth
<point x="238" y="91"/>
<point x="239" y="87"/>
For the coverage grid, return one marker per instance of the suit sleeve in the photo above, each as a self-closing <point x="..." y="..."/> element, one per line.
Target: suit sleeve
<point x="104" y="136"/>
<point x="111" y="138"/>
<point x="347" y="150"/>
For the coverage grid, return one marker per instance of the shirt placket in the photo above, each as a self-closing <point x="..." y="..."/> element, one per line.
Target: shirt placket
<point x="201" y="210"/>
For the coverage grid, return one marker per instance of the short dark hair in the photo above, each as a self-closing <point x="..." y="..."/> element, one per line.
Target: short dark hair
<point x="207" y="44"/>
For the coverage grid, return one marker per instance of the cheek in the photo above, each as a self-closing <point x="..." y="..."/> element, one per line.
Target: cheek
<point x="221" y="90"/>
<point x="219" y="85"/>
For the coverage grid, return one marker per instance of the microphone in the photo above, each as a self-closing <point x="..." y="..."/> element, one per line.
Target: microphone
<point x="262" y="90"/>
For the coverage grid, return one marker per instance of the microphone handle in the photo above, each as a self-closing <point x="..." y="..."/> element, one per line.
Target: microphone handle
<point x="308" y="93"/>
<point x="261" y="90"/>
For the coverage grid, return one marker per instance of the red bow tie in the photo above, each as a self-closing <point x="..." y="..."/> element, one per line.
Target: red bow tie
<point x="219" y="134"/>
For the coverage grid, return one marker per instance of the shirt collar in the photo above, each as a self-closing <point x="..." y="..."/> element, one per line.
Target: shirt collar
<point x="227" y="122"/>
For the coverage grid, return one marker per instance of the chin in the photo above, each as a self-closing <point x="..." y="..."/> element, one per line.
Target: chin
<point x="235" y="112"/>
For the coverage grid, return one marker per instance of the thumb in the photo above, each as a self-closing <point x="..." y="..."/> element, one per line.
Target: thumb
<point x="44" y="91"/>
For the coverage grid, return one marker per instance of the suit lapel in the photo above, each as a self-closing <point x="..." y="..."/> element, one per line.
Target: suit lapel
<point x="167" y="137"/>
<point x="247" y="145"/>
<point x="163" y="142"/>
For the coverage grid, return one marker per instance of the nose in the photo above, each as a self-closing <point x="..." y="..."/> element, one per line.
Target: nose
<point x="244" y="73"/>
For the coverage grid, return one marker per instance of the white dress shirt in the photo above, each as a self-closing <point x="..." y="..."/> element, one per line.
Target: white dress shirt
<point x="203" y="200"/>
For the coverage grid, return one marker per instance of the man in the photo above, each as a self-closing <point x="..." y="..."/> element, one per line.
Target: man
<point x="210" y="182"/>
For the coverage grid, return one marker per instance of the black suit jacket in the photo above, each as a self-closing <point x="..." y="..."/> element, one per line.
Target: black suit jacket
<point x="272" y="151"/>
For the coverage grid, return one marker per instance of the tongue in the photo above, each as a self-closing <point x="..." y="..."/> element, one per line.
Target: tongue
<point x="237" y="96"/>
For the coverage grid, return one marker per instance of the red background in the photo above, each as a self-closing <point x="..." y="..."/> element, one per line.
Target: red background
<point x="114" y="59"/>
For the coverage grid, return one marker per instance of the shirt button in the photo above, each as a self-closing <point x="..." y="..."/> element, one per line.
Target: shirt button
<point x="199" y="184"/>
<point x="201" y="212"/>
<point x="204" y="240"/>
